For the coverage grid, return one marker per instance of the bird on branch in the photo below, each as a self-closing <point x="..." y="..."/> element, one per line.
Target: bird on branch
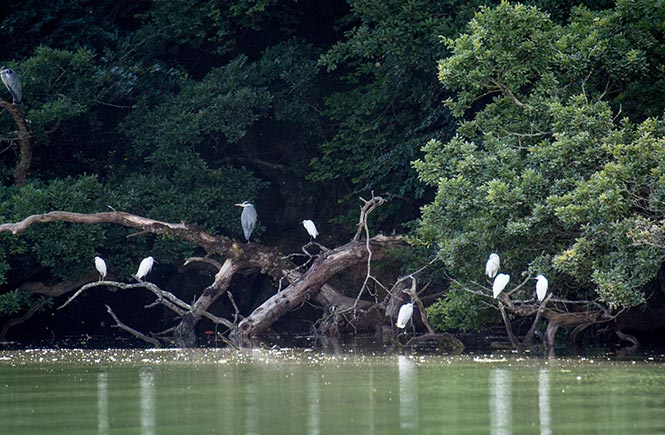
<point x="247" y="218"/>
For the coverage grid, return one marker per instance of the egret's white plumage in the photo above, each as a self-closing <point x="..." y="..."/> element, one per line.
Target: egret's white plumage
<point x="404" y="315"/>
<point x="12" y="82"/>
<point x="500" y="282"/>
<point x="100" y="265"/>
<point x="247" y="218"/>
<point x="311" y="228"/>
<point x="541" y="287"/>
<point x="144" y="268"/>
<point x="492" y="266"/>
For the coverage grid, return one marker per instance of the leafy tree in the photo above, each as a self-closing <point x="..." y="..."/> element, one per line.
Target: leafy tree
<point x="543" y="169"/>
<point x="387" y="102"/>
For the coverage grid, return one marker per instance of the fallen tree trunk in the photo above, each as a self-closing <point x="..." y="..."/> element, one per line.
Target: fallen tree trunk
<point x="324" y="268"/>
<point x="238" y="256"/>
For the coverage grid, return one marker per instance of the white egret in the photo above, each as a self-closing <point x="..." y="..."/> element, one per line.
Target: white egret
<point x="12" y="82"/>
<point x="247" y="218"/>
<point x="100" y="265"/>
<point x="500" y="282"/>
<point x="541" y="287"/>
<point x="311" y="228"/>
<point x="492" y="266"/>
<point x="405" y="313"/>
<point x="144" y="268"/>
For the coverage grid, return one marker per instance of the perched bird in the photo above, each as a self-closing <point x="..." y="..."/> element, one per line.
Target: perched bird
<point x="541" y="287"/>
<point x="492" y="266"/>
<point x="12" y="82"/>
<point x="311" y="228"/>
<point x="100" y="265"/>
<point x="404" y="315"/>
<point x="500" y="282"/>
<point x="247" y="218"/>
<point x="144" y="268"/>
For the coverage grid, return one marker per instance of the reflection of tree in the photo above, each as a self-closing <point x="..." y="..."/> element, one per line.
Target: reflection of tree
<point x="544" y="401"/>
<point x="147" y="394"/>
<point x="313" y="404"/>
<point x="102" y="403"/>
<point x="408" y="393"/>
<point x="500" y="402"/>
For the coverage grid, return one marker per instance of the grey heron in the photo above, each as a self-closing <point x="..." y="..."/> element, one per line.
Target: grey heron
<point x="247" y="218"/>
<point x="12" y="82"/>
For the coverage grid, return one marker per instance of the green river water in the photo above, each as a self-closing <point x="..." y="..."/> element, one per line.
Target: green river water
<point x="285" y="391"/>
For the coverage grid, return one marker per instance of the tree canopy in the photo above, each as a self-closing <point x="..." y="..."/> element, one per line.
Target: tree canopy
<point x="556" y="163"/>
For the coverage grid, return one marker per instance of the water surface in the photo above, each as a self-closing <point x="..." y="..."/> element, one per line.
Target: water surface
<point x="284" y="391"/>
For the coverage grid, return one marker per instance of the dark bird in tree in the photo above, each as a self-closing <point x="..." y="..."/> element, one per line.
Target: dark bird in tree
<point x="247" y="218"/>
<point x="12" y="82"/>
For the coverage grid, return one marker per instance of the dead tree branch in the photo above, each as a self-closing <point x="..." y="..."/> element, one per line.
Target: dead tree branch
<point x="133" y="331"/>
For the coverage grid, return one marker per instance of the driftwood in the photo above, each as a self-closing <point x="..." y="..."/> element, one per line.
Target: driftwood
<point x="301" y="286"/>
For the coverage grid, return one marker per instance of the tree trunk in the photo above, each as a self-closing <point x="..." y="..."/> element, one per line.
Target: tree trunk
<point x="24" y="140"/>
<point x="324" y="268"/>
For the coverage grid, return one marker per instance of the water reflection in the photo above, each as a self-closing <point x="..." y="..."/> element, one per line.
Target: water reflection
<point x="251" y="407"/>
<point x="147" y="395"/>
<point x="408" y="393"/>
<point x="500" y="402"/>
<point x="102" y="403"/>
<point x="307" y="393"/>
<point x="544" y="401"/>
<point x="313" y="404"/>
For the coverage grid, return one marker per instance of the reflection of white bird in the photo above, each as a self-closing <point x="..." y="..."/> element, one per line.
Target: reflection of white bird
<point x="541" y="287"/>
<point x="144" y="268"/>
<point x="405" y="313"/>
<point x="12" y="82"/>
<point x="247" y="218"/>
<point x="500" y="282"/>
<point x="492" y="266"/>
<point x="100" y="265"/>
<point x="311" y="228"/>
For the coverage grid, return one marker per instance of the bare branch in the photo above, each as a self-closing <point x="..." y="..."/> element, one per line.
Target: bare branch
<point x="133" y="331"/>
<point x="208" y="260"/>
<point x="182" y="230"/>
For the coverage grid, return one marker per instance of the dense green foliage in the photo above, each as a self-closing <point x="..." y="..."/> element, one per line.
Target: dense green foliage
<point x="557" y="164"/>
<point x="548" y="148"/>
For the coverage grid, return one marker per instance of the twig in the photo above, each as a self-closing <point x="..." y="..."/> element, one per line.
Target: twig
<point x="236" y="315"/>
<point x="528" y="338"/>
<point x="133" y="331"/>
<point x="421" y="308"/>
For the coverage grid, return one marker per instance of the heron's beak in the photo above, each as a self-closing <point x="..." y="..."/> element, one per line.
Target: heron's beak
<point x="239" y="205"/>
